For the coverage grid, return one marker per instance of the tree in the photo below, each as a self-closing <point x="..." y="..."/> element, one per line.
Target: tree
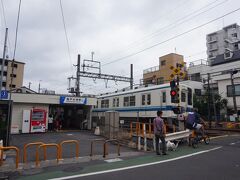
<point x="201" y="102"/>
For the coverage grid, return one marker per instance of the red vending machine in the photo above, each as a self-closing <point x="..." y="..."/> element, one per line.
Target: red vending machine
<point x="38" y="120"/>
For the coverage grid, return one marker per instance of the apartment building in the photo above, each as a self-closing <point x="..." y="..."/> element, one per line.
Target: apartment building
<point x="223" y="46"/>
<point x="16" y="76"/>
<point x="160" y="74"/>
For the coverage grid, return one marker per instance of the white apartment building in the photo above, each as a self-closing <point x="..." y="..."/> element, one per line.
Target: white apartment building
<point x="223" y="46"/>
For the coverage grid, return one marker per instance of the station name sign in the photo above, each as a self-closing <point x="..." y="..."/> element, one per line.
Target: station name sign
<point x="72" y="100"/>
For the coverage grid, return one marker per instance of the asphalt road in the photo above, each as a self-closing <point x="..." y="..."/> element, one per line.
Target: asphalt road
<point x="218" y="164"/>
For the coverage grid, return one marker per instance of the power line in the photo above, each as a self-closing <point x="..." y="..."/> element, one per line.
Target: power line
<point x="179" y="21"/>
<point x="65" y="31"/>
<point x="171" y="38"/>
<point x="16" y="34"/>
<point x="5" y="22"/>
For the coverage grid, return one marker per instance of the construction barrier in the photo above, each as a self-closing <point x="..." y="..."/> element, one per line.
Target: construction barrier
<point x="30" y="144"/>
<point x="92" y="142"/>
<point x="69" y="141"/>
<point x="105" y="146"/>
<point x="45" y="156"/>
<point x="8" y="148"/>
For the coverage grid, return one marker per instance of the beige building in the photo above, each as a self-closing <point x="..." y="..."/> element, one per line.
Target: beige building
<point x="16" y="76"/>
<point x="161" y="74"/>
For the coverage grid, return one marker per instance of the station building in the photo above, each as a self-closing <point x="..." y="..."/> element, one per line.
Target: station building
<point x="29" y="109"/>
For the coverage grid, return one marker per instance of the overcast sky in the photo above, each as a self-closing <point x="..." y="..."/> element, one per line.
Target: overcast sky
<point x="113" y="29"/>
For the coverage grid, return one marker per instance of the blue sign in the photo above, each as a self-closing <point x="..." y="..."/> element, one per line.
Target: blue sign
<point x="72" y="100"/>
<point x="4" y="94"/>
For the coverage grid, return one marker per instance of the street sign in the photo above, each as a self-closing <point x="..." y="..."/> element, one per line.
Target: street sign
<point x="4" y="94"/>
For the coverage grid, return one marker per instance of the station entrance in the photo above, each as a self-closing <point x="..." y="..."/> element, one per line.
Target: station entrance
<point x="5" y="111"/>
<point x="70" y="116"/>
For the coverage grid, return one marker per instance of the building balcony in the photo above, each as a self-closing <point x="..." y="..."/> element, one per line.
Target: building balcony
<point x="150" y="70"/>
<point x="212" y="39"/>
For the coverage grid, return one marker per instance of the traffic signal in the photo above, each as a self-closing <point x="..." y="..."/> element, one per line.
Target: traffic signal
<point x="174" y="92"/>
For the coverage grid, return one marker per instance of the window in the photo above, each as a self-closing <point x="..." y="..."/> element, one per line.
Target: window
<point x="163" y="62"/>
<point x="148" y="99"/>
<point x="197" y="92"/>
<point x="143" y="99"/>
<point x="15" y="65"/>
<point x="129" y="101"/>
<point x="189" y="96"/>
<point x="115" y="102"/>
<point x="234" y="35"/>
<point x="13" y="85"/>
<point x="236" y="46"/>
<point x="126" y="101"/>
<point x="160" y="80"/>
<point x="183" y="97"/>
<point x="4" y="84"/>
<point x="105" y="103"/>
<point x="132" y="100"/>
<point x="237" y="90"/>
<point x="164" y="97"/>
<point x="13" y="75"/>
<point x="4" y="73"/>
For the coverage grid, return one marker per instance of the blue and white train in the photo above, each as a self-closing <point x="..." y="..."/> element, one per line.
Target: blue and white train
<point x="141" y="104"/>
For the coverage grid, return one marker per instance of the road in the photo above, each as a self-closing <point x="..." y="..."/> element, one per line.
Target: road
<point x="220" y="160"/>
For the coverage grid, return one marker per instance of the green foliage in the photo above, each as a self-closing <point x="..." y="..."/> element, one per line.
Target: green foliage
<point x="201" y="102"/>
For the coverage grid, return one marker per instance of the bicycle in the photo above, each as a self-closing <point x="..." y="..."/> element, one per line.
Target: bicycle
<point x="197" y="137"/>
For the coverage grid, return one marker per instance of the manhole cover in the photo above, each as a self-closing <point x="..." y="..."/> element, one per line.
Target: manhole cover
<point x="73" y="169"/>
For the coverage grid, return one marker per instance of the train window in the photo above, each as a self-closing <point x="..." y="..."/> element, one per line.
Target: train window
<point x="183" y="97"/>
<point x="105" y="103"/>
<point x="117" y="103"/>
<point x="126" y="101"/>
<point x="148" y="99"/>
<point x="189" y="96"/>
<point x="143" y="99"/>
<point x="132" y="100"/>
<point x="114" y="101"/>
<point x="164" y="97"/>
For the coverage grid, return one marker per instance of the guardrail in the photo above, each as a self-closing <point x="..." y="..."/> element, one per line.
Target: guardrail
<point x="25" y="149"/>
<point x="45" y="156"/>
<point x="69" y="141"/>
<point x="8" y="148"/>
<point x="92" y="142"/>
<point x="105" y="146"/>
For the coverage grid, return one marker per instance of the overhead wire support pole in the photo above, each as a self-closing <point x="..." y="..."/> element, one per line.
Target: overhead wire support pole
<point x="131" y="76"/>
<point x="209" y="106"/>
<point x="78" y="76"/>
<point x="233" y="94"/>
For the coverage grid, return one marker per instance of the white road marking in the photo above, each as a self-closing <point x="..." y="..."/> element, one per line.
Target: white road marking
<point x="136" y="166"/>
<point x="232" y="143"/>
<point x="216" y="137"/>
<point x="113" y="160"/>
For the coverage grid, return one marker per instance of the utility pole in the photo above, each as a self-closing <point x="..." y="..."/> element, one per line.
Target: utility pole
<point x="29" y="85"/>
<point x="78" y="76"/>
<point x="209" y="106"/>
<point x="39" y="86"/>
<point x="3" y="59"/>
<point x="233" y="91"/>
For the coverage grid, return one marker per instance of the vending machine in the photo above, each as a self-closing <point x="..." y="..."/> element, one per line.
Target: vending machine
<point x="38" y="120"/>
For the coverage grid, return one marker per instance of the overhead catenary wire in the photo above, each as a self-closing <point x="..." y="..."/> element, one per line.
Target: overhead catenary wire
<point x="66" y="34"/>
<point x="171" y="38"/>
<point x="178" y="22"/>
